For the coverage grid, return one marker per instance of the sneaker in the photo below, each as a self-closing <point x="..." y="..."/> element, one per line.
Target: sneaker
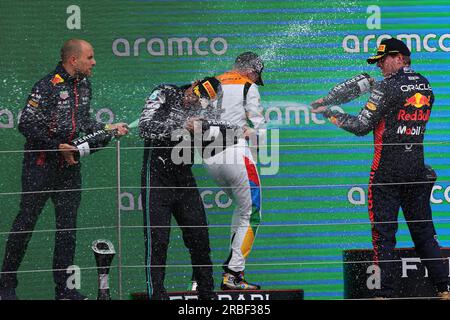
<point x="445" y="295"/>
<point x="237" y="282"/>
<point x="8" y="294"/>
<point x="69" y="294"/>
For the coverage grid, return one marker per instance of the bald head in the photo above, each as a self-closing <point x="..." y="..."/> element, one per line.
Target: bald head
<point x="72" y="47"/>
<point x="77" y="57"/>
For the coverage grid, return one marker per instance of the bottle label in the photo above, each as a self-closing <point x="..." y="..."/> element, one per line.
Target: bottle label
<point x="364" y="85"/>
<point x="83" y="149"/>
<point x="90" y="136"/>
<point x="92" y="142"/>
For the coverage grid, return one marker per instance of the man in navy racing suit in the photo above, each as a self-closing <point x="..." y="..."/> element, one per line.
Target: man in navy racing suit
<point x="168" y="184"/>
<point x="57" y="110"/>
<point x="397" y="112"/>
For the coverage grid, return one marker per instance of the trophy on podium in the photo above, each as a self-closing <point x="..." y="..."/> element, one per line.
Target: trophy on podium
<point x="104" y="253"/>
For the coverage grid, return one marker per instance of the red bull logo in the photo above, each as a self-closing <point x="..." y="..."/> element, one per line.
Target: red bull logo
<point x="418" y="100"/>
<point x="333" y="120"/>
<point x="418" y="115"/>
<point x="57" y="79"/>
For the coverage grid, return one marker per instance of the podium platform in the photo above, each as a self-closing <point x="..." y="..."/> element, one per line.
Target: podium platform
<point x="242" y="295"/>
<point x="362" y="278"/>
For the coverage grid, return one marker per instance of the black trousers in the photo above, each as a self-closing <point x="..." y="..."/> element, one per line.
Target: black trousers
<point x="39" y="183"/>
<point x="186" y="206"/>
<point x="384" y="201"/>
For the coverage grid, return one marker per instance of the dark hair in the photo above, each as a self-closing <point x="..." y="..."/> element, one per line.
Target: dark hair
<point x="407" y="60"/>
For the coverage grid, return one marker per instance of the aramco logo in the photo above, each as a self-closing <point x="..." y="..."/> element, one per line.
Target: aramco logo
<point x="201" y="46"/>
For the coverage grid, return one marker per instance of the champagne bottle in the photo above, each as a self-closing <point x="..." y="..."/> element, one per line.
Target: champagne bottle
<point x="218" y="135"/>
<point x="91" y="143"/>
<point x="347" y="91"/>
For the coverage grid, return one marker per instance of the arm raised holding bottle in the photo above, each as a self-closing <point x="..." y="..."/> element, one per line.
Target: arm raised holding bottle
<point x="92" y="142"/>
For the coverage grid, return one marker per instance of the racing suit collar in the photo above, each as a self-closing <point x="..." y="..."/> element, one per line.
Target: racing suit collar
<point x="238" y="74"/>
<point x="402" y="70"/>
<point x="64" y="74"/>
<point x="407" y="69"/>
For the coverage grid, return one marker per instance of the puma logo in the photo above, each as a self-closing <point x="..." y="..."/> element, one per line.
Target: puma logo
<point x="163" y="160"/>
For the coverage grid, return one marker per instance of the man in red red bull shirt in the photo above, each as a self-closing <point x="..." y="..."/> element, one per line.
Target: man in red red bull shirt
<point x="397" y="112"/>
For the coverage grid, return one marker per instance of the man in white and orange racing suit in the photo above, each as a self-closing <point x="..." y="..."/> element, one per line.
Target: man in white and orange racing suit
<point x="234" y="169"/>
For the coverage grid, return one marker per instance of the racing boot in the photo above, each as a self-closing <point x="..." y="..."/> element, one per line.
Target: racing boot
<point x="235" y="281"/>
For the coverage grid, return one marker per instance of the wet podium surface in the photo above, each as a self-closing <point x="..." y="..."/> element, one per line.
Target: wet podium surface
<point x="362" y="277"/>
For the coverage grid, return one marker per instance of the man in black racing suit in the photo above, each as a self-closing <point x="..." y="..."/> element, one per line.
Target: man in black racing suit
<point x="57" y="110"/>
<point x="168" y="184"/>
<point x="397" y="112"/>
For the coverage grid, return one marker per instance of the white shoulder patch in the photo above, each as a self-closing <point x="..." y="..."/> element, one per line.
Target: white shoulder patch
<point x="154" y="95"/>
